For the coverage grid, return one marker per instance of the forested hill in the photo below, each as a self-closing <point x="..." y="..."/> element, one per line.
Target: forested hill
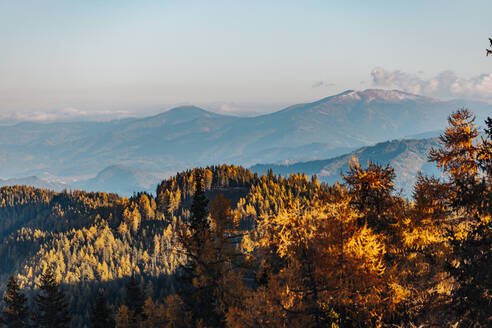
<point x="406" y="156"/>
<point x="99" y="240"/>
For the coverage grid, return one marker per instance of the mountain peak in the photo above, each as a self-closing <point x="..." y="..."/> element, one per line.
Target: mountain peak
<point x="375" y="95"/>
<point x="187" y="110"/>
<point x="181" y="114"/>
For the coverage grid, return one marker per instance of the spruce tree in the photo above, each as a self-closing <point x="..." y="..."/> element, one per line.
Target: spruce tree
<point x="135" y="299"/>
<point x="15" y="313"/>
<point x="101" y="313"/>
<point x="194" y="239"/>
<point x="199" y="222"/>
<point x="52" y="305"/>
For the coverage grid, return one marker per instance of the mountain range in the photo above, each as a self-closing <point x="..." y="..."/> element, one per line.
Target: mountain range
<point x="83" y="153"/>
<point x="406" y="156"/>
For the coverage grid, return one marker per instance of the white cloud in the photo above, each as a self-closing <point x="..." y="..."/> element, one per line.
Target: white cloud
<point x="444" y="85"/>
<point x="65" y="114"/>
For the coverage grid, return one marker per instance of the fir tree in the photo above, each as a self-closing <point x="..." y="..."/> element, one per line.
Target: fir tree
<point x="51" y="303"/>
<point x="101" y="313"/>
<point x="15" y="313"/>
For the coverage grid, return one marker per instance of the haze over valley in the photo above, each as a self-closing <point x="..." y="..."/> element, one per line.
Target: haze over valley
<point x="139" y="152"/>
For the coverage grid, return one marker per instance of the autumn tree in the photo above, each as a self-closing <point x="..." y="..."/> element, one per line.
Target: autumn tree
<point x="331" y="270"/>
<point x="458" y="158"/>
<point x="370" y="190"/>
<point x="145" y="206"/>
<point x="176" y="313"/>
<point x="53" y="308"/>
<point x="485" y="150"/>
<point x="123" y="317"/>
<point x="16" y="312"/>
<point x="154" y="315"/>
<point x="466" y="161"/>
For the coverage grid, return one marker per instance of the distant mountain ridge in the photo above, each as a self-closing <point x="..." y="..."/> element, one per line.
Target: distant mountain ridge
<point x="121" y="179"/>
<point x="189" y="136"/>
<point x="406" y="156"/>
<point x="115" y="179"/>
<point x="34" y="181"/>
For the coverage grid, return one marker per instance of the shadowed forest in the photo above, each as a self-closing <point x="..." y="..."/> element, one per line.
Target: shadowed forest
<point x="223" y="247"/>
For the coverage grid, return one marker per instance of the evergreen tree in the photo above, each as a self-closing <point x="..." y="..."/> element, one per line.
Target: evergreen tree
<point x="199" y="222"/>
<point x="135" y="299"/>
<point x="193" y="237"/>
<point x="101" y="313"/>
<point x="51" y="303"/>
<point x="15" y="313"/>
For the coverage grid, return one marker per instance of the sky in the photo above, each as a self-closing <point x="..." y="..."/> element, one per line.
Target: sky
<point x="112" y="58"/>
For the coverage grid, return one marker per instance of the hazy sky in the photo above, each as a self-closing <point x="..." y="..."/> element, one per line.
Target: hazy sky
<point x="122" y="56"/>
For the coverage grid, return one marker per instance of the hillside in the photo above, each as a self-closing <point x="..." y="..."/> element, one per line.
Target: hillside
<point x="98" y="240"/>
<point x="406" y="156"/>
<point x="186" y="137"/>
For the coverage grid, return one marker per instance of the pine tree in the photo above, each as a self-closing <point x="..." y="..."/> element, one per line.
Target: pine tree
<point x="52" y="306"/>
<point x="15" y="313"/>
<point x="101" y="313"/>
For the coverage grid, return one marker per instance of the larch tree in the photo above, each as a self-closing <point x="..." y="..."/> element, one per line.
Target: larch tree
<point x="154" y="315"/>
<point x="370" y="189"/>
<point x="331" y="270"/>
<point x="466" y="160"/>
<point x="123" y="317"/>
<point x="458" y="159"/>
